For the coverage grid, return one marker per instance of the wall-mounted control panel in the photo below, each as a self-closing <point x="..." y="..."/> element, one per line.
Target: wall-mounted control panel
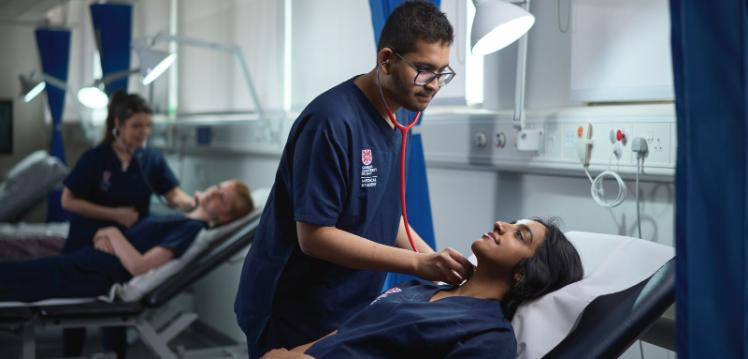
<point x="571" y="137"/>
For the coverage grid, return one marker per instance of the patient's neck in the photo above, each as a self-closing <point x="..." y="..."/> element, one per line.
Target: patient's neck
<point x="199" y="214"/>
<point x="482" y="284"/>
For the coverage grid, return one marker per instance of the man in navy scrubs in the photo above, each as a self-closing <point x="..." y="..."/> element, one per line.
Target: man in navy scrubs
<point x="332" y="226"/>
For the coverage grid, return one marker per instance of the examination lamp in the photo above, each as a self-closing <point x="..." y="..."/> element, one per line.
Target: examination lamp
<point x="152" y="64"/>
<point x="31" y="86"/>
<point x="498" y="23"/>
<point x="232" y="50"/>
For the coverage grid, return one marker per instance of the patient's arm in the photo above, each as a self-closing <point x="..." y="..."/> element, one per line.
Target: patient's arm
<point x="284" y="354"/>
<point x="135" y="262"/>
<point x="304" y="347"/>
<point x="126" y="216"/>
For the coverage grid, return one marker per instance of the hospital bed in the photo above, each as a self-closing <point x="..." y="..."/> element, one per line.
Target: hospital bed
<point x="587" y="319"/>
<point x="28" y="183"/>
<point x="139" y="302"/>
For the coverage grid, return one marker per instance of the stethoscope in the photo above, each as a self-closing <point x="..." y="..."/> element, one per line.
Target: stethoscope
<point x="404" y="132"/>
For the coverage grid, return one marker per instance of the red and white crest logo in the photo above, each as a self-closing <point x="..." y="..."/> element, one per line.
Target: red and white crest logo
<point x="366" y="157"/>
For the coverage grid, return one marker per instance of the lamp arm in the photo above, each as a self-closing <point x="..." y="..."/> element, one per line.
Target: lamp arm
<point x="54" y="81"/>
<point x="114" y="76"/>
<point x="230" y="49"/>
<point x="519" y="118"/>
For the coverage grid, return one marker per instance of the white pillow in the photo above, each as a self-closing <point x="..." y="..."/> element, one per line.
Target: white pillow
<point x="138" y="286"/>
<point x="611" y="264"/>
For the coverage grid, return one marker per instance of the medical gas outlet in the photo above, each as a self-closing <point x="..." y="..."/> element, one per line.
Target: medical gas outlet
<point x="584" y="143"/>
<point x="618" y="139"/>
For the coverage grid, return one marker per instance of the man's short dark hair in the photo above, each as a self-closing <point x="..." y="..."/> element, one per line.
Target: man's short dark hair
<point x="413" y="21"/>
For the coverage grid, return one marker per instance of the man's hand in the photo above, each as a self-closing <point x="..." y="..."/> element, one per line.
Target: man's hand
<point x="126" y="216"/>
<point x="447" y="265"/>
<point x="283" y="353"/>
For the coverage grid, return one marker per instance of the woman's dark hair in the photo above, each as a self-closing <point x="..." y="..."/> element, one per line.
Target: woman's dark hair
<point x="413" y="21"/>
<point x="122" y="106"/>
<point x="555" y="264"/>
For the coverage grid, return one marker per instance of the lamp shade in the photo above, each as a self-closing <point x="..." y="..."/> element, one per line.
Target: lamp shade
<point x="93" y="97"/>
<point x="497" y="24"/>
<point x="30" y="87"/>
<point x="153" y="63"/>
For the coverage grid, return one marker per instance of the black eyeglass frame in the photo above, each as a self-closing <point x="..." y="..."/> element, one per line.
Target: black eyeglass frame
<point x="442" y="78"/>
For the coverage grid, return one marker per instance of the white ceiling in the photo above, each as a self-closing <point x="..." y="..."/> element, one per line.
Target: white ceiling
<point x="26" y="10"/>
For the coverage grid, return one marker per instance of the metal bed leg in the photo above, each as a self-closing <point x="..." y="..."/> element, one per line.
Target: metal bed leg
<point x="158" y="341"/>
<point x="151" y="338"/>
<point x="28" y="345"/>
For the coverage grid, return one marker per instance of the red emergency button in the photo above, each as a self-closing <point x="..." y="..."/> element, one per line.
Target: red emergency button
<point x="620" y="136"/>
<point x="580" y="131"/>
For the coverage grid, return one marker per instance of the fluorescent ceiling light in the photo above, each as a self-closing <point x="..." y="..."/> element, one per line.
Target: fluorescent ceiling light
<point x="497" y="24"/>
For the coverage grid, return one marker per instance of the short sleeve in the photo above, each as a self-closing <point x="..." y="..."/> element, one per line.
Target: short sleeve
<point x="82" y="179"/>
<point x="163" y="178"/>
<point x="495" y="344"/>
<point x="180" y="238"/>
<point x="319" y="174"/>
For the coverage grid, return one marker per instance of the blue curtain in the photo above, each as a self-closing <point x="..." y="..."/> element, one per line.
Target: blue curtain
<point x="416" y="186"/>
<point x="112" y="28"/>
<point x="54" y="51"/>
<point x="710" y="67"/>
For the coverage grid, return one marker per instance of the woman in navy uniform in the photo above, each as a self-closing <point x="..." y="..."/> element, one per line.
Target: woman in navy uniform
<point x="112" y="183"/>
<point x="517" y="262"/>
<point x="333" y="224"/>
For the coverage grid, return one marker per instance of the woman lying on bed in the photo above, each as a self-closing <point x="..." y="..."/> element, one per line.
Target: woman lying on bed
<point x="517" y="262"/>
<point x="117" y="256"/>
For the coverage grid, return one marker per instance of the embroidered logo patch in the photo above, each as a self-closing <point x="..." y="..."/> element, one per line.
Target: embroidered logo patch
<point x="389" y="292"/>
<point x="368" y="171"/>
<point x="105" y="183"/>
<point x="366" y="157"/>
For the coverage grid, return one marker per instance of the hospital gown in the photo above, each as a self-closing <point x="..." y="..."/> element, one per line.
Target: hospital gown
<point x="402" y="323"/>
<point x="88" y="272"/>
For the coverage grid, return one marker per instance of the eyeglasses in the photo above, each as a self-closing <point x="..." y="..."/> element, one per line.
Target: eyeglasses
<point x="424" y="77"/>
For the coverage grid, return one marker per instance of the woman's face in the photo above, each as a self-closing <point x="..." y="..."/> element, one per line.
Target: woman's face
<point x="134" y="131"/>
<point x="508" y="243"/>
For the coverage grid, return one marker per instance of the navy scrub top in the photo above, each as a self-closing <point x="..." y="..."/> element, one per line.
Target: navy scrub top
<point x="98" y="178"/>
<point x="340" y="167"/>
<point x="88" y="272"/>
<point x="402" y="323"/>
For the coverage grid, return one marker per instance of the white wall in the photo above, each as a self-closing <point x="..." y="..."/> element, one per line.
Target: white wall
<point x="332" y="41"/>
<point x="30" y="133"/>
<point x="211" y="81"/>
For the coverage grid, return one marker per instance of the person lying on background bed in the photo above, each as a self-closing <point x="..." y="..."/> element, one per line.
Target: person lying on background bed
<point x="116" y="256"/>
<point x="517" y="262"/>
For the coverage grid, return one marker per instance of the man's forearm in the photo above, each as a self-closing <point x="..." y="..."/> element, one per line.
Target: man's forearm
<point x="352" y="251"/>
<point x="403" y="242"/>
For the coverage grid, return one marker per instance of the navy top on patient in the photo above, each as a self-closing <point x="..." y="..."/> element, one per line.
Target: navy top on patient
<point x="402" y="323"/>
<point x="88" y="272"/>
<point x="340" y="168"/>
<point x="98" y="178"/>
